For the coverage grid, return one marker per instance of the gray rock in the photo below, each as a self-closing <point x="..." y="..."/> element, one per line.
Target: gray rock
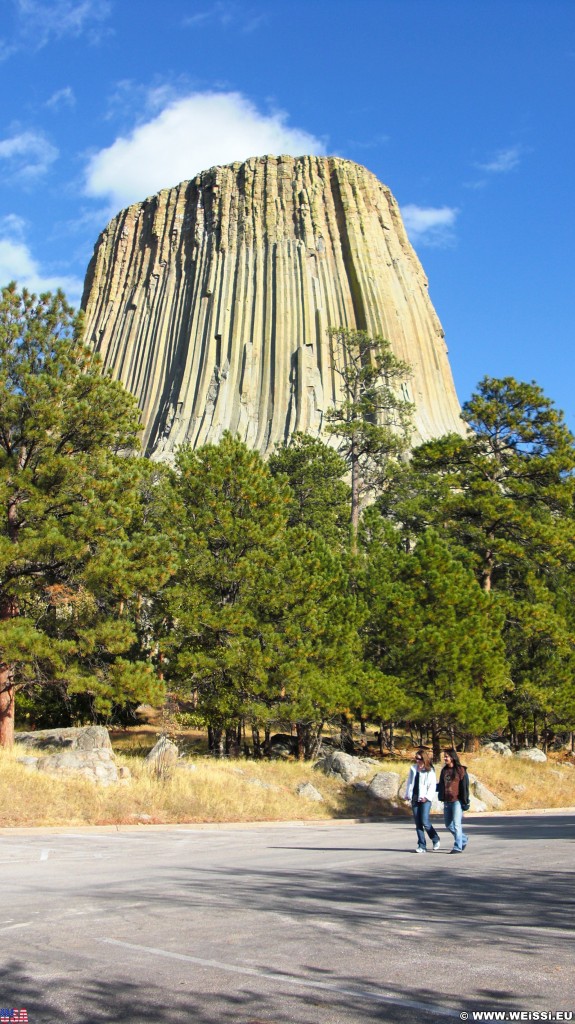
<point x="282" y="745"/>
<point x="163" y="756"/>
<point x="95" y="765"/>
<point x="28" y="762"/>
<point x="479" y="790"/>
<point x="309" y="792"/>
<point x="89" y="737"/>
<point x="262" y="784"/>
<point x="476" y="805"/>
<point x="384" y="786"/>
<point x="346" y="766"/>
<point x="532" y="754"/>
<point x="498" y="748"/>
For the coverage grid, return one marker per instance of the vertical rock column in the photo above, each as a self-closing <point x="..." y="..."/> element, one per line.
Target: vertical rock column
<point x="211" y="301"/>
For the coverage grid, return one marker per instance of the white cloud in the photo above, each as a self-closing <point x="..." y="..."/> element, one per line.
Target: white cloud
<point x="27" y="155"/>
<point x="18" y="264"/>
<point x="228" y="15"/>
<point x="188" y="136"/>
<point x="62" y="98"/>
<point x="503" y="161"/>
<point x="430" y="225"/>
<point x="39" y="21"/>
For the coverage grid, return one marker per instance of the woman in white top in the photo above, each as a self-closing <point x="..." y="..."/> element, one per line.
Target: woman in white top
<point x="420" y="791"/>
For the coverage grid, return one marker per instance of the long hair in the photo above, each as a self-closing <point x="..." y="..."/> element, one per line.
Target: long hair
<point x="454" y="756"/>
<point x="426" y="758"/>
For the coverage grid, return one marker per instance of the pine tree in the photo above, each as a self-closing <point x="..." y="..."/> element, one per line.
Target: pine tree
<point x="432" y="627"/>
<point x="230" y="515"/>
<point x="373" y="419"/>
<point x="504" y="495"/>
<point x="258" y="627"/>
<point x="73" y="566"/>
<point x="319" y="495"/>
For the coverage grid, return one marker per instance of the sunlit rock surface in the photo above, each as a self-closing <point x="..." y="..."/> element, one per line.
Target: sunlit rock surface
<point x="211" y="301"/>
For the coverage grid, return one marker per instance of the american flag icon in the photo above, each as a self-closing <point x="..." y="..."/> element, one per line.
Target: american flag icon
<point x="13" y="1016"/>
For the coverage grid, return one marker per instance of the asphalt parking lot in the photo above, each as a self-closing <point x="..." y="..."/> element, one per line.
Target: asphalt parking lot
<point x="311" y="924"/>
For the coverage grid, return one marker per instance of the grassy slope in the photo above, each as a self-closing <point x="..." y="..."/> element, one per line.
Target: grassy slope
<point x="223" y="791"/>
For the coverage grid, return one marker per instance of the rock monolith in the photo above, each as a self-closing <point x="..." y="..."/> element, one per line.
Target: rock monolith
<point x="211" y="302"/>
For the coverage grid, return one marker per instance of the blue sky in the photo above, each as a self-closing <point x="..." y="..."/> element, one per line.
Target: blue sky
<point x="464" y="108"/>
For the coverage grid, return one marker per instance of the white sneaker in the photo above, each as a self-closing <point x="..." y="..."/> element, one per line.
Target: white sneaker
<point x="436" y="844"/>
<point x="420" y="849"/>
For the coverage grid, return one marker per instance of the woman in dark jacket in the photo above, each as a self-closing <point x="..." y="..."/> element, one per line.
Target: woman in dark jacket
<point x="453" y="790"/>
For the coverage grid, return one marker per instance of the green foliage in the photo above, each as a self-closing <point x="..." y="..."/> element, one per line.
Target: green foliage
<point x="73" y="564"/>
<point x="231" y="579"/>
<point x="257" y="624"/>
<point x="431" y="627"/>
<point x="372" y="421"/>
<point x="503" y="495"/>
<point x="319" y="496"/>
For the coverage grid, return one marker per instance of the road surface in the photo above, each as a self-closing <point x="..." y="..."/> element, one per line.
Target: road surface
<point x="310" y="924"/>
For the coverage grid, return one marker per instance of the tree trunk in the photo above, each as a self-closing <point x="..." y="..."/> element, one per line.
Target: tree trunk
<point x="8" y="610"/>
<point x="487" y="572"/>
<point x="215" y="741"/>
<point x="300" y="732"/>
<point x="391" y="740"/>
<point x="315" y="742"/>
<point x="231" y="743"/>
<point x="346" y="735"/>
<point x="256" y="742"/>
<point x="7" y="695"/>
<point x="354" y="496"/>
<point x="436" y="739"/>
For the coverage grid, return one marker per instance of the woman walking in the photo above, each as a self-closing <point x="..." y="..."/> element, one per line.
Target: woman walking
<point x="453" y="791"/>
<point x="421" y="790"/>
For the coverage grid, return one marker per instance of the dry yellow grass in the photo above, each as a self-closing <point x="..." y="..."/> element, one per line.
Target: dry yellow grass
<point x="240" y="791"/>
<point x="209" y="792"/>
<point x="523" y="784"/>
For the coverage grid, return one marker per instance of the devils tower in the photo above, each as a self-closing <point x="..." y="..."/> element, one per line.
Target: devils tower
<point x="211" y="301"/>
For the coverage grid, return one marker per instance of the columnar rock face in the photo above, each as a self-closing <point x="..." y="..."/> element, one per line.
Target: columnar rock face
<point x="211" y="301"/>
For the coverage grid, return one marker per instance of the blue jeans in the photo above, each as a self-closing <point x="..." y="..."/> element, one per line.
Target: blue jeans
<point x="453" y="818"/>
<point x="421" y="812"/>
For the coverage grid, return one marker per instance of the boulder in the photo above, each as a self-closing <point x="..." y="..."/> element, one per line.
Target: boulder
<point x="348" y="767"/>
<point x="531" y="754"/>
<point x="384" y="786"/>
<point x="89" y="737"/>
<point x="95" y="765"/>
<point x="263" y="785"/>
<point x="163" y="756"/>
<point x="309" y="792"/>
<point x="283" y="745"/>
<point x="498" y="748"/>
<point x="482" y="793"/>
